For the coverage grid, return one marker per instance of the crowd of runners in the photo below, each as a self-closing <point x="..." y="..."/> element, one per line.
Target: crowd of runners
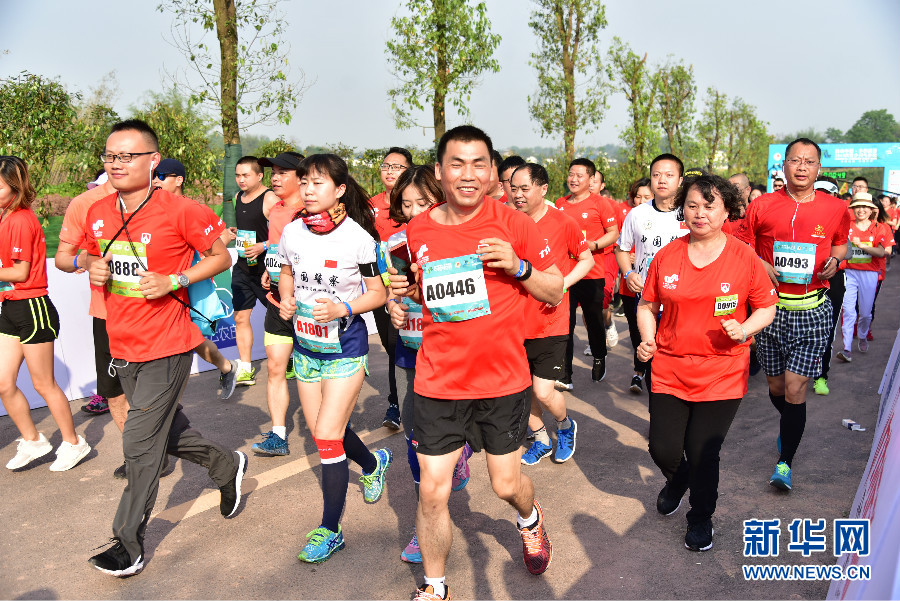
<point x="474" y="278"/>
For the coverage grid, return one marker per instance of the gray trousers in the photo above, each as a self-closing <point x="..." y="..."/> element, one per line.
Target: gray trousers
<point x="156" y="426"/>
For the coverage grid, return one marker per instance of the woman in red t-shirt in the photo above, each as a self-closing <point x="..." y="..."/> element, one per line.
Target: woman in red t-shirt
<point x="702" y="283"/>
<point x="29" y="324"/>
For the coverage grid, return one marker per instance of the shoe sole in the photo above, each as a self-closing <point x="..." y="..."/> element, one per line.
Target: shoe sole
<point x="574" y="439"/>
<point x="411" y="558"/>
<point x="636" y="389"/>
<point x="265" y="453"/>
<point x="81" y="456"/>
<point x="603" y="377"/>
<point x="677" y="507"/>
<point x="538" y="460"/>
<point x="30" y="460"/>
<point x="701" y="549"/>
<point x="129" y="571"/>
<point x="780" y="484"/>
<point x="92" y="412"/>
<point x="390" y="424"/>
<point x="238" y="479"/>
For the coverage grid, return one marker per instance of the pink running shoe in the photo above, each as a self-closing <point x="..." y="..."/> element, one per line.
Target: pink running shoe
<point x="461" y="471"/>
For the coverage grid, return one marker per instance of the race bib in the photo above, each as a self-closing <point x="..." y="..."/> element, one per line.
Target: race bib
<point x="858" y="254"/>
<point x="411" y="332"/>
<point x="273" y="265"/>
<point x="243" y="239"/>
<point x="454" y="289"/>
<point x="726" y="305"/>
<point x="794" y="261"/>
<point x="5" y="286"/>
<point x="124" y="265"/>
<point x="315" y="336"/>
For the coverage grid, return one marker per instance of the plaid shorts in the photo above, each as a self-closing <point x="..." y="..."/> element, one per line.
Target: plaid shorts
<point x="795" y="341"/>
<point x="311" y="370"/>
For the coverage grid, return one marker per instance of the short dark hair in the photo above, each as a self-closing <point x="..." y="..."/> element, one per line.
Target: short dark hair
<point x="510" y="162"/>
<point x="602" y="178"/>
<point x="705" y="184"/>
<point x="463" y="133"/>
<point x="604" y="192"/>
<point x="496" y="159"/>
<point x="399" y="150"/>
<point x="805" y="142"/>
<point x="252" y="161"/>
<point x="586" y="163"/>
<point x="859" y="179"/>
<point x="666" y="156"/>
<point x="644" y="182"/>
<point x="420" y="176"/>
<point x="536" y="173"/>
<point x="139" y="126"/>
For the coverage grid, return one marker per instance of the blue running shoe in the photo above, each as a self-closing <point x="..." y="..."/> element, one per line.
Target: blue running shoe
<point x="375" y="483"/>
<point x="321" y="544"/>
<point x="272" y="444"/>
<point x="412" y="554"/>
<point x="565" y="443"/>
<point x="536" y="452"/>
<point x="781" y="479"/>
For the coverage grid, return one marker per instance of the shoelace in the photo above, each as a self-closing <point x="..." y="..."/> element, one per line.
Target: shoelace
<point x="532" y="540"/>
<point x="96" y="399"/>
<point x="317" y="536"/>
<point x="783" y="469"/>
<point x="111" y="541"/>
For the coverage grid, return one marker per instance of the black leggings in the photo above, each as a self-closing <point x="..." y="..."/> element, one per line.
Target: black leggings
<point x="629" y="304"/>
<point x="588" y="294"/>
<point x="685" y="439"/>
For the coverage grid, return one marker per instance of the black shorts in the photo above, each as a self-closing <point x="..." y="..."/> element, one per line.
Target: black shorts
<point x="273" y="323"/>
<point x="107" y="386"/>
<point x="31" y="320"/>
<point x="246" y="289"/>
<point x="496" y="425"/>
<point x="547" y="356"/>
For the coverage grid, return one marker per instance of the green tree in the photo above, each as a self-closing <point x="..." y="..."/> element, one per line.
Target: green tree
<point x="248" y="76"/>
<point x="630" y="75"/>
<point x="571" y="92"/>
<point x="746" y="141"/>
<point x="873" y="127"/>
<point x="711" y="129"/>
<point x="675" y="92"/>
<point x="36" y="117"/>
<point x="438" y="53"/>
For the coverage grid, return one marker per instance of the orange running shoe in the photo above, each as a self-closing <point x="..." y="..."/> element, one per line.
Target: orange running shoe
<point x="536" y="548"/>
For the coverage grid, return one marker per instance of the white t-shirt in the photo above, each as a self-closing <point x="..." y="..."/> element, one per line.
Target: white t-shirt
<point x="645" y="230"/>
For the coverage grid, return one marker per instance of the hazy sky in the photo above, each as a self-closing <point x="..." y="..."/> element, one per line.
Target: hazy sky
<point x="802" y="64"/>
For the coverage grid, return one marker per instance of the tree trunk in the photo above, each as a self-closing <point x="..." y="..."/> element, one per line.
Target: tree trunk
<point x="570" y="120"/>
<point x="438" y="107"/>
<point x="226" y="31"/>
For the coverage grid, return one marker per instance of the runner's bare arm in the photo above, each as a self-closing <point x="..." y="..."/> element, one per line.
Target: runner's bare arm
<point x="373" y="298"/>
<point x="288" y="305"/>
<point x="831" y="266"/>
<point x="65" y="258"/>
<point x="610" y="237"/>
<point x="581" y="269"/>
<point x="269" y="201"/>
<point x="213" y="261"/>
<point x="98" y="269"/>
<point x="634" y="281"/>
<point x="759" y="319"/>
<point x="546" y="286"/>
<point x="17" y="272"/>
<point x="646" y="320"/>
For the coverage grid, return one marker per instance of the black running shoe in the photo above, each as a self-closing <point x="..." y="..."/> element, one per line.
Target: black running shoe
<point x="392" y="417"/>
<point x="668" y="500"/>
<point x="637" y="384"/>
<point x="116" y="561"/>
<point x="599" y="370"/>
<point x="231" y="492"/>
<point x="699" y="537"/>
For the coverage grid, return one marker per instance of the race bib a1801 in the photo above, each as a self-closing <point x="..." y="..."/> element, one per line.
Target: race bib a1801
<point x="315" y="336"/>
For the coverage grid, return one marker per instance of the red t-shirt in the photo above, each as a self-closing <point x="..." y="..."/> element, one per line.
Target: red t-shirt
<point x="877" y="234"/>
<point x="165" y="233"/>
<point x="805" y="233"/>
<point x="621" y="209"/>
<point x="483" y="357"/>
<point x="696" y="360"/>
<point x="72" y="232"/>
<point x="894" y="215"/>
<point x="381" y="208"/>
<point x="564" y="242"/>
<point x="22" y="239"/>
<point x="280" y="216"/>
<point x="594" y="216"/>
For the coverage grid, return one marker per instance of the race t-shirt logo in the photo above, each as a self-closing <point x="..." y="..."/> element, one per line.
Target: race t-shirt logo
<point x="584" y="215"/>
<point x="145" y="238"/>
<point x="421" y="257"/>
<point x="725" y="287"/>
<point x="96" y="227"/>
<point x="546" y="249"/>
<point x="670" y="282"/>
<point x="819" y="231"/>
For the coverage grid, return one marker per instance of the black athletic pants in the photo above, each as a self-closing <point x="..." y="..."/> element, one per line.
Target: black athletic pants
<point x="589" y="295"/>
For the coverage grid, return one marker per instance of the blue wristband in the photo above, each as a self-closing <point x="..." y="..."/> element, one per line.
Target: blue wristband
<point x="349" y="310"/>
<point x="628" y="273"/>
<point x="76" y="261"/>
<point x="521" y="269"/>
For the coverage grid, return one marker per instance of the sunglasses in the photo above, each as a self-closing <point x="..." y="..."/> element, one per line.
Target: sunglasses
<point x="162" y="176"/>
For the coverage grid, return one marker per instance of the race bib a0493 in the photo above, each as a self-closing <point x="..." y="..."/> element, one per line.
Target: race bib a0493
<point x="794" y="261"/>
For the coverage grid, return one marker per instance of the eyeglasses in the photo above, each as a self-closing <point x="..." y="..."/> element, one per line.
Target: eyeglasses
<point x="163" y="176"/>
<point x="395" y="167"/>
<point x="125" y="157"/>
<point x="805" y="162"/>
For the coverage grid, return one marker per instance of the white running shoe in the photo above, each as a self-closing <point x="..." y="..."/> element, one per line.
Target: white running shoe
<point x="68" y="455"/>
<point x="587" y="350"/>
<point x="29" y="450"/>
<point x="612" y="336"/>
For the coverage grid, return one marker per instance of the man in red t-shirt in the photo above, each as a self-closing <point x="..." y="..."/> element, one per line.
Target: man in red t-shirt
<point x="396" y="161"/>
<point x="547" y="326"/>
<point x="475" y="264"/>
<point x="141" y="242"/>
<point x="598" y="222"/>
<point x="505" y="171"/>
<point x="801" y="236"/>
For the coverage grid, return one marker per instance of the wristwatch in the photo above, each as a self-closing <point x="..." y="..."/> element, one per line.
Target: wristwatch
<point x="183" y="281"/>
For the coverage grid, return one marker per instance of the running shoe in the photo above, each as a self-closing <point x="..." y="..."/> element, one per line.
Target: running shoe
<point x="68" y="455"/>
<point x="863" y="345"/>
<point x="845" y="356"/>
<point x="96" y="406"/>
<point x="289" y="373"/>
<point x="461" y="471"/>
<point x="598" y="372"/>
<point x="29" y="450"/>
<point x="536" y="452"/>
<point x="245" y="377"/>
<point x="587" y="350"/>
<point x="537" y="552"/>
<point x="426" y="593"/>
<point x="781" y="478"/>
<point x="116" y="561"/>
<point x="565" y="443"/>
<point x="669" y="500"/>
<point x="121" y="472"/>
<point x="375" y="483"/>
<point x="412" y="554"/>
<point x="699" y="537"/>
<point x="869" y="336"/>
<point x="564" y="386"/>
<point x="637" y="384"/>
<point x="612" y="336"/>
<point x="392" y="417"/>
<point x="228" y="381"/>
<point x="321" y="544"/>
<point x="820" y="386"/>
<point x="231" y="492"/>
<point x="272" y="445"/>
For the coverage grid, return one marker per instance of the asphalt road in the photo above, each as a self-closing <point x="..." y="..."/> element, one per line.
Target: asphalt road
<point x="609" y="541"/>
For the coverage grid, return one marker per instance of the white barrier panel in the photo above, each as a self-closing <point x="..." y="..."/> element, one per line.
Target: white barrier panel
<point x="878" y="500"/>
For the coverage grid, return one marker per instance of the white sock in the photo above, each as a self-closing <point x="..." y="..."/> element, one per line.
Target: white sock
<point x="541" y="435"/>
<point x="440" y="588"/>
<point x="244" y="365"/>
<point x="530" y="520"/>
<point x="281" y="431"/>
